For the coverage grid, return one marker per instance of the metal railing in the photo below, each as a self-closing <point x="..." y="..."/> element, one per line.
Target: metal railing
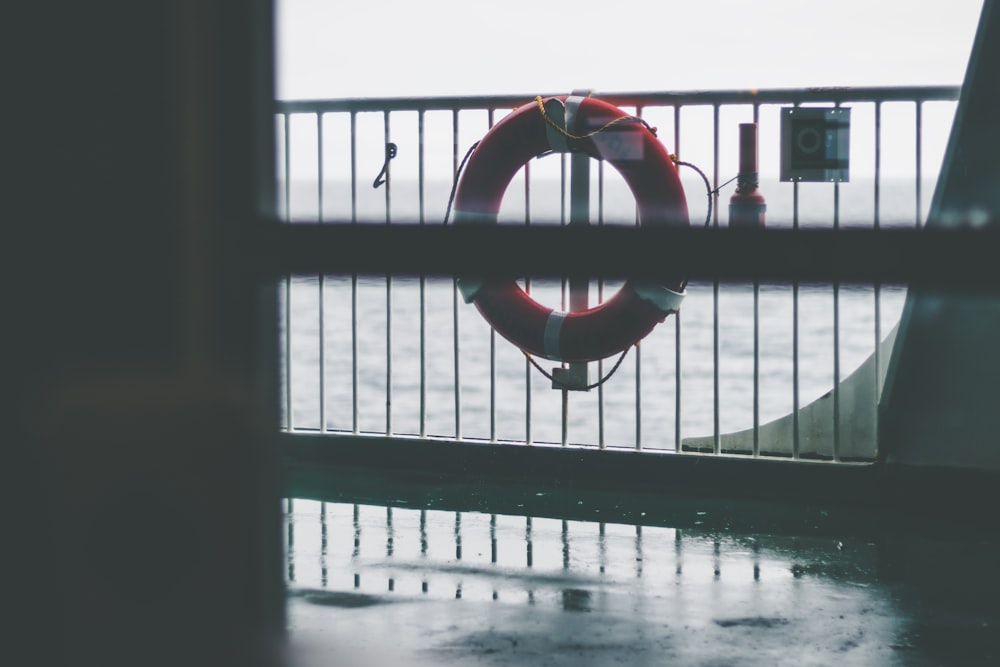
<point x="329" y="149"/>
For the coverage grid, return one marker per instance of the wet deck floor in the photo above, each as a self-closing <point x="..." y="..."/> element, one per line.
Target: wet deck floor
<point x="379" y="585"/>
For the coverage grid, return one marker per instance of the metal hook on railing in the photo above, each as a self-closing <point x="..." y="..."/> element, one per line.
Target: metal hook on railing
<point x="390" y="152"/>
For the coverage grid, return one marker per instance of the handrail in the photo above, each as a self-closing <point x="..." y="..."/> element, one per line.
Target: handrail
<point x="683" y="98"/>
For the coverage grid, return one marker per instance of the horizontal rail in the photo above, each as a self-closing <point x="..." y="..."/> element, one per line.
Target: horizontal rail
<point x="613" y="469"/>
<point x="511" y="478"/>
<point x="688" y="98"/>
<point x="930" y="257"/>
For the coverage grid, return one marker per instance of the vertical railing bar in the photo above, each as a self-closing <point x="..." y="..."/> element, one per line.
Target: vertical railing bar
<point x="527" y="289"/>
<point x="421" y="194"/>
<point x="290" y="538"/>
<point x="355" y="413"/>
<point x="919" y="158"/>
<point x="677" y="381"/>
<point x="795" y="336"/>
<point x="878" y="287"/>
<point x="677" y="316"/>
<point x="638" y="362"/>
<point x="388" y="286"/>
<point x="354" y="166"/>
<point x="322" y="276"/>
<point x="601" y="443"/>
<point x="796" y="440"/>
<point x="756" y="368"/>
<point x="578" y="298"/>
<point x="493" y="348"/>
<point x="564" y="412"/>
<point x="638" y="397"/>
<point x="287" y="153"/>
<point x="756" y="343"/>
<point x="716" y="439"/>
<point x="289" y="422"/>
<point x="423" y="279"/>
<point x="454" y="293"/>
<point x="836" y="332"/>
<point x="836" y="337"/>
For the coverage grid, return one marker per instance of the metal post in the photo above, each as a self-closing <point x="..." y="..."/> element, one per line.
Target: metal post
<point x="527" y="290"/>
<point x="716" y="439"/>
<point x="795" y="337"/>
<point x="918" y="158"/>
<point x="677" y="317"/>
<point x="747" y="205"/>
<point x="876" y="224"/>
<point x="423" y="282"/>
<point x="289" y="405"/>
<point x="796" y="439"/>
<point x="355" y="376"/>
<point x="600" y="299"/>
<point x="836" y="333"/>
<point x="493" y="352"/>
<point x="322" y="277"/>
<point x="388" y="290"/>
<point x="575" y="376"/>
<point x="746" y="210"/>
<point x="756" y="316"/>
<point x="455" y="296"/>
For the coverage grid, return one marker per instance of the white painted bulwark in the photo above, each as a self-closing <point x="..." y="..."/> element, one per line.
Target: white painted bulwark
<point x="858" y="421"/>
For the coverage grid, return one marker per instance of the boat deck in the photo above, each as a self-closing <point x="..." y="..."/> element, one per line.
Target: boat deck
<point x="574" y="578"/>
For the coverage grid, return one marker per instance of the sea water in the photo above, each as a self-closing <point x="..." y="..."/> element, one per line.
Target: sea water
<point x="432" y="374"/>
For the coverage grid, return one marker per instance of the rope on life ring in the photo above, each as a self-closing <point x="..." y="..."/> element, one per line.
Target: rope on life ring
<point x="602" y="131"/>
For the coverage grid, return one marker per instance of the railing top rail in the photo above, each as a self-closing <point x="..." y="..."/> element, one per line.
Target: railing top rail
<point x="682" y="98"/>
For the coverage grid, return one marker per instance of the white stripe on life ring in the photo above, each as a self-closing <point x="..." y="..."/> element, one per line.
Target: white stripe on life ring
<point x="553" y="327"/>
<point x="563" y="115"/>
<point x="663" y="298"/>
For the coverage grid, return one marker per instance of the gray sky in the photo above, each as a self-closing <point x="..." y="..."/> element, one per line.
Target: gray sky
<point x="328" y="48"/>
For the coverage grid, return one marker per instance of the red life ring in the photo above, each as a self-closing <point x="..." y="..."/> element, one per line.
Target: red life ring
<point x="603" y="131"/>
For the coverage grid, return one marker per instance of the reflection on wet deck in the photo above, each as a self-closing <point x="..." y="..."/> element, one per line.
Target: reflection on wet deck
<point x="374" y="585"/>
